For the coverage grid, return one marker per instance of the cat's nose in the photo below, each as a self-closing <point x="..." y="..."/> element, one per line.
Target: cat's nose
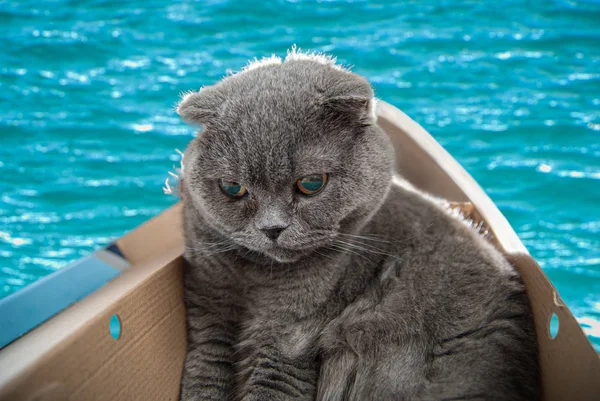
<point x="273" y="232"/>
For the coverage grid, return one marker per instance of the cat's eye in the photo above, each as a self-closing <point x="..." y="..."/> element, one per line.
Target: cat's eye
<point x="312" y="184"/>
<point x="233" y="189"/>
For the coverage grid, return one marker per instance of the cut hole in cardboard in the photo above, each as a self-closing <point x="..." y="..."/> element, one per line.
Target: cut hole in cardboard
<point x="115" y="326"/>
<point x="553" y="326"/>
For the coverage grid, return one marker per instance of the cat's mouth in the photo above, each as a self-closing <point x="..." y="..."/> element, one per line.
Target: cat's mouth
<point x="283" y="253"/>
<point x="286" y="252"/>
<point x="286" y="255"/>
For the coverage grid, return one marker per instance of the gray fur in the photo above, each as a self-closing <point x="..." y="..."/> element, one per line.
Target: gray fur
<point x="371" y="293"/>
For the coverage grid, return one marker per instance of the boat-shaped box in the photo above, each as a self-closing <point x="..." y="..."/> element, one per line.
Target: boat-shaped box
<point x="75" y="356"/>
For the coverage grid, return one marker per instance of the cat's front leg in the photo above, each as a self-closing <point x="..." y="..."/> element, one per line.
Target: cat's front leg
<point x="275" y="377"/>
<point x="337" y="375"/>
<point x="212" y="328"/>
<point x="209" y="365"/>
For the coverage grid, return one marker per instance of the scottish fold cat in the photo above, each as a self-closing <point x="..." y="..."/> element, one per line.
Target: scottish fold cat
<point x="310" y="275"/>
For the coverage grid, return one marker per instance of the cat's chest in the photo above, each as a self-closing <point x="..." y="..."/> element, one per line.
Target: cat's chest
<point x="287" y="338"/>
<point x="288" y="317"/>
<point x="288" y="291"/>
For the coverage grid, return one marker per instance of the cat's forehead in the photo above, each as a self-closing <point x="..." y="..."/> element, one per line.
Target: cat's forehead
<point x="267" y="160"/>
<point x="274" y="132"/>
<point x="272" y="109"/>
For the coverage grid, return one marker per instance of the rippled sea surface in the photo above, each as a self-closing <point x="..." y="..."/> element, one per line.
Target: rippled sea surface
<point x="88" y="131"/>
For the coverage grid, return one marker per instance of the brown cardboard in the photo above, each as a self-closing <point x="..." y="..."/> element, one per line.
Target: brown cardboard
<point x="73" y="356"/>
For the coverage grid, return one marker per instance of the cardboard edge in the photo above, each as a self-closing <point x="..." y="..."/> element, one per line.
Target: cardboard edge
<point x="21" y="357"/>
<point x="152" y="237"/>
<point x="466" y="186"/>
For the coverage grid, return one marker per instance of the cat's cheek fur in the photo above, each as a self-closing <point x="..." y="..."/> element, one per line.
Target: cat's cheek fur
<point x="317" y="211"/>
<point x="235" y="210"/>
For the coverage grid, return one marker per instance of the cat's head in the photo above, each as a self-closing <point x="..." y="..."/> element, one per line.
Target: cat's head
<point x="289" y="156"/>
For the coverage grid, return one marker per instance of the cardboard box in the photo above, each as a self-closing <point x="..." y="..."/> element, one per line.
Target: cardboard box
<point x="73" y="356"/>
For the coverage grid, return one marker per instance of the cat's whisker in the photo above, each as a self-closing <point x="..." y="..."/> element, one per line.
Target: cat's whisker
<point x="201" y="243"/>
<point x="354" y="242"/>
<point x="324" y="255"/>
<point x="417" y="235"/>
<point x="343" y="249"/>
<point x="211" y="248"/>
<point x="204" y="248"/>
<point x="365" y="248"/>
<point x="375" y="236"/>
<point x="226" y="249"/>
<point x="367" y="238"/>
<point x="208" y="247"/>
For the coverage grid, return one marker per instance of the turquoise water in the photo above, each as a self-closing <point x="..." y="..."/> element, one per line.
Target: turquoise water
<point x="88" y="132"/>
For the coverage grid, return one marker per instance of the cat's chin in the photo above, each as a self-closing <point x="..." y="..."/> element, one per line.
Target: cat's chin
<point x="283" y="253"/>
<point x="285" y="256"/>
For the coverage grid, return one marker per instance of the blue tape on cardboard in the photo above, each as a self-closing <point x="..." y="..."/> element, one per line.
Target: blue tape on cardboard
<point x="36" y="303"/>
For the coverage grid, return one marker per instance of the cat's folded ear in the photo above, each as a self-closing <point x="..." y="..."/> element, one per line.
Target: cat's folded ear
<point x="350" y="110"/>
<point x="350" y="100"/>
<point x="199" y="107"/>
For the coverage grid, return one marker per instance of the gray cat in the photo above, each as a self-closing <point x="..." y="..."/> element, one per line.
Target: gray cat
<point x="310" y="275"/>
